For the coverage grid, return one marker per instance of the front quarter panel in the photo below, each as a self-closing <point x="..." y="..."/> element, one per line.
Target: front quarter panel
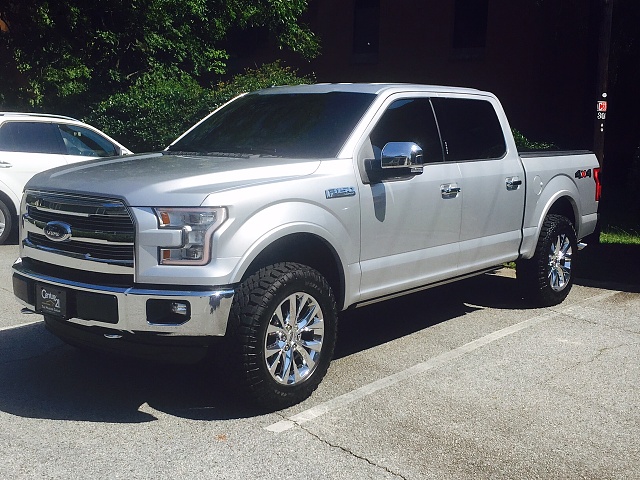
<point x="258" y="215"/>
<point x="269" y="212"/>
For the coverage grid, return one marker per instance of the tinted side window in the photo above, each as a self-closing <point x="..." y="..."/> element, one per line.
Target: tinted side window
<point x="82" y="141"/>
<point x="32" y="137"/>
<point x="409" y="120"/>
<point x="470" y="129"/>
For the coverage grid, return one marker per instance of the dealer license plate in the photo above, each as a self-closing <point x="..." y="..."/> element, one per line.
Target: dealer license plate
<point x="51" y="300"/>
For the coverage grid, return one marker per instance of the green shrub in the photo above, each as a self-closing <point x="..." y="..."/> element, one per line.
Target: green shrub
<point x="163" y="103"/>
<point x="268" y="75"/>
<point x="523" y="144"/>
<point x="153" y="110"/>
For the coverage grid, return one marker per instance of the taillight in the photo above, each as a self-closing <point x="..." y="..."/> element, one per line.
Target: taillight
<point x="596" y="177"/>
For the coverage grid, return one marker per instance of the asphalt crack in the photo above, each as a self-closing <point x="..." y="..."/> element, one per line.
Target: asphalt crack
<point x="351" y="453"/>
<point x="341" y="448"/>
<point x="573" y="312"/>
<point x="599" y="353"/>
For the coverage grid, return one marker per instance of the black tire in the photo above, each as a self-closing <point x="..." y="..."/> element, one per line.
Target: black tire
<point x="301" y="351"/>
<point x="547" y="278"/>
<point x="6" y="222"/>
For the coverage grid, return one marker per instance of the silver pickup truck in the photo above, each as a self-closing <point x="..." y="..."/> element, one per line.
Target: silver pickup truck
<point x="284" y="207"/>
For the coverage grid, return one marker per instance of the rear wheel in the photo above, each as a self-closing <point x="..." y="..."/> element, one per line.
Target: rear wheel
<point x="548" y="277"/>
<point x="284" y="323"/>
<point x="6" y="222"/>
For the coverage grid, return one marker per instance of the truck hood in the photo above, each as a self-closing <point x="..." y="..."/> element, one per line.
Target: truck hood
<point x="163" y="179"/>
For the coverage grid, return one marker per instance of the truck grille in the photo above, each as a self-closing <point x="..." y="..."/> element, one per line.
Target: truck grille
<point x="86" y="228"/>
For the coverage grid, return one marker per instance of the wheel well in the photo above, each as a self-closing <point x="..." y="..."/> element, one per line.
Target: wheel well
<point x="564" y="207"/>
<point x="309" y="250"/>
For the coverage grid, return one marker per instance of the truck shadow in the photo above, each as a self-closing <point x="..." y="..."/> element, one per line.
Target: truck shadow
<point x="610" y="266"/>
<point x="43" y="378"/>
<point x="379" y="323"/>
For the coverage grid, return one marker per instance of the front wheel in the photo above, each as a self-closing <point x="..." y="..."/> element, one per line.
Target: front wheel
<point x="284" y="324"/>
<point x="547" y="278"/>
<point x="5" y="222"/>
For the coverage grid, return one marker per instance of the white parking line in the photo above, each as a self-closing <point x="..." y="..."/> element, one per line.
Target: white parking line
<point x="358" y="394"/>
<point x="14" y="327"/>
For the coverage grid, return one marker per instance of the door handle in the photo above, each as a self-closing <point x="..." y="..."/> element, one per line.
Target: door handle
<point x="513" y="183"/>
<point x="449" y="190"/>
<point x="5" y="165"/>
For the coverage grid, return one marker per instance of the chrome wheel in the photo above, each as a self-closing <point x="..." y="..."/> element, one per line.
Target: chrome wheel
<point x="293" y="343"/>
<point x="283" y="327"/>
<point x="546" y="278"/>
<point x="560" y="263"/>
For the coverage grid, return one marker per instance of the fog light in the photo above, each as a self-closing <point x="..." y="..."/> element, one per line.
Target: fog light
<point x="180" y="308"/>
<point x="167" y="312"/>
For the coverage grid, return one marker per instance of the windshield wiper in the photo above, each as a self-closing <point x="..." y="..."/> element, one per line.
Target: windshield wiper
<point x="253" y="150"/>
<point x="195" y="153"/>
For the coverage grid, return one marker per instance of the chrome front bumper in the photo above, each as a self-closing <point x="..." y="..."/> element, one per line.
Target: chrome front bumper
<point x="208" y="309"/>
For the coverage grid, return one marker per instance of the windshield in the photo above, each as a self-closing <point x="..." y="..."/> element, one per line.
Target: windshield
<point x="307" y="125"/>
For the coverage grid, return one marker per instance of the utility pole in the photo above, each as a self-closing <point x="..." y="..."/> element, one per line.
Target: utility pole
<point x="604" y="48"/>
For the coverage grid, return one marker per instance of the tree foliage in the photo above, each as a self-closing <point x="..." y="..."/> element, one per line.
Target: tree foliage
<point x="163" y="103"/>
<point x="59" y="54"/>
<point x="523" y="144"/>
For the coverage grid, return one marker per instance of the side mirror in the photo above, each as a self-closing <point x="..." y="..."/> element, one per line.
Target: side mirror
<point x="402" y="155"/>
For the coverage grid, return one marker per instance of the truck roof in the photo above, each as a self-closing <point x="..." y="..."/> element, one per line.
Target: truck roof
<point x="372" y="88"/>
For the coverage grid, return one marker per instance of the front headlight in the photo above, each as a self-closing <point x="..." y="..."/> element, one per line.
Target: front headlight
<point x="197" y="225"/>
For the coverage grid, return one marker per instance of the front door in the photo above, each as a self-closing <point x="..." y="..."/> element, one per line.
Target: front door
<point x="410" y="225"/>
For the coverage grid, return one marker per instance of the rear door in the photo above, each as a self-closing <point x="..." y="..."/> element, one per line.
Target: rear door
<point x="492" y="180"/>
<point x="27" y="148"/>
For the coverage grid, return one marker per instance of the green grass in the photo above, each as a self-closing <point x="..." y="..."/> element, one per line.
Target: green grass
<point x="619" y="236"/>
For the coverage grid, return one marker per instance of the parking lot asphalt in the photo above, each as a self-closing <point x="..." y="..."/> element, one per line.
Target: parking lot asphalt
<point x="464" y="381"/>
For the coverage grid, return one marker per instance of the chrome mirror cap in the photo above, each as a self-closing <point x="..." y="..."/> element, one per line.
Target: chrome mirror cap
<point x="402" y="155"/>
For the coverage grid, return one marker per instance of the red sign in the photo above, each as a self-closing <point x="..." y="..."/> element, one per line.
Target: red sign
<point x="602" y="106"/>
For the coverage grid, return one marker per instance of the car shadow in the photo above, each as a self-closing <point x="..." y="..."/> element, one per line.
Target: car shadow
<point x="41" y="377"/>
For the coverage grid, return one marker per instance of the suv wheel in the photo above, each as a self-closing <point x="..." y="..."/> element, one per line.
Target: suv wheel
<point x="6" y="222"/>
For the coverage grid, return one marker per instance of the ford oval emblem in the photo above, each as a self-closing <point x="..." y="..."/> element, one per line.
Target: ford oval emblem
<point x="57" y="231"/>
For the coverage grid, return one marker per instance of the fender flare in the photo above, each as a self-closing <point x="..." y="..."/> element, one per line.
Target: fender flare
<point x="558" y="190"/>
<point x="259" y="232"/>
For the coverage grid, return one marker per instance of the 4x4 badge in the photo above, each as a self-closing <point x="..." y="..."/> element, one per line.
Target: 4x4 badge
<point x="583" y="174"/>
<point x="57" y="231"/>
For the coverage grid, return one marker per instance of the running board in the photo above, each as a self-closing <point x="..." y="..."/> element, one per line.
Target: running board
<point x="426" y="287"/>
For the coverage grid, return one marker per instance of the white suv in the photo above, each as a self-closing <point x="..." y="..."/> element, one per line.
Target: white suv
<point x="31" y="143"/>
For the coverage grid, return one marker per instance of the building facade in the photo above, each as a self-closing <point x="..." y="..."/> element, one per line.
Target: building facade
<point x="538" y="56"/>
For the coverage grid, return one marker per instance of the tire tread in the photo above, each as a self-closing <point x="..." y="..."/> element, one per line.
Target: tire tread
<point x="532" y="274"/>
<point x="253" y="299"/>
